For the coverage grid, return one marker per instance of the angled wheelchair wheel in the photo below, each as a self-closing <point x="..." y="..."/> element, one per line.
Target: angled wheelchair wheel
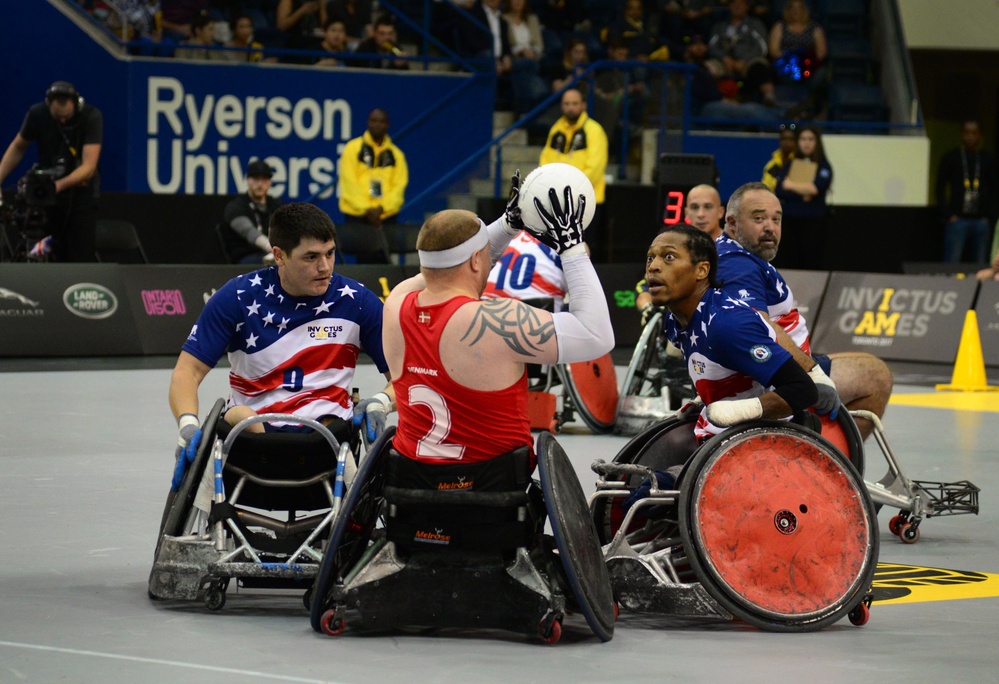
<point x="178" y="504"/>
<point x="659" y="446"/>
<point x="778" y="527"/>
<point x="575" y="537"/>
<point x="352" y="528"/>
<point x="591" y="386"/>
<point x="642" y="378"/>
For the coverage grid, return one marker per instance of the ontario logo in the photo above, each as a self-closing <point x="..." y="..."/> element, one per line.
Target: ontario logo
<point x="89" y="300"/>
<point x="435" y="537"/>
<point x="16" y="305"/>
<point x="876" y="316"/>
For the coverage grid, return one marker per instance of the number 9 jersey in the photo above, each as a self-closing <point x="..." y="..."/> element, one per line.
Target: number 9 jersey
<point x="528" y="269"/>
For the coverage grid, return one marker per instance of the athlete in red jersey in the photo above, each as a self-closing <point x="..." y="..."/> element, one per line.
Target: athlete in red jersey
<point x="458" y="363"/>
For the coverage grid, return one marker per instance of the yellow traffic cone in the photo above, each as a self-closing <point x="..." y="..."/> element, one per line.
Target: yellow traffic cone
<point x="969" y="369"/>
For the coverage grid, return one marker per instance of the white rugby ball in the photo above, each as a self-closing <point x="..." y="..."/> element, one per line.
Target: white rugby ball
<point x="558" y="176"/>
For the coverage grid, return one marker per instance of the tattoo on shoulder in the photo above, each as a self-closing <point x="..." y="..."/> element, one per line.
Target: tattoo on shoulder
<point x="517" y="324"/>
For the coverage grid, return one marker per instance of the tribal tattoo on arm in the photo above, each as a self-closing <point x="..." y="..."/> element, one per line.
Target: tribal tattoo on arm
<point x="517" y="324"/>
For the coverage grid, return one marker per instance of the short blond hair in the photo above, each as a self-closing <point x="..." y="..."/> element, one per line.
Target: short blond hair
<point x="447" y="229"/>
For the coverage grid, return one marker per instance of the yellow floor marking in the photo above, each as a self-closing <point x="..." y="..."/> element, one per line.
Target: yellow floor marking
<point x="960" y="401"/>
<point x="896" y="583"/>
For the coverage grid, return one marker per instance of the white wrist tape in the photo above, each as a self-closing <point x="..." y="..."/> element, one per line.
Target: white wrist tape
<point x="819" y="377"/>
<point x="583" y="332"/>
<point x="728" y="413"/>
<point x="185" y="420"/>
<point x="386" y="403"/>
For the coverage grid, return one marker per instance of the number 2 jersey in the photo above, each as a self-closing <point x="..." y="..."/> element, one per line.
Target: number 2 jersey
<point x="528" y="269"/>
<point x="289" y="354"/>
<point x="441" y="421"/>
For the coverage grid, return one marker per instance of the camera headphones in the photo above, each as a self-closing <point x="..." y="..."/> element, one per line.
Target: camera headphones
<point x="64" y="90"/>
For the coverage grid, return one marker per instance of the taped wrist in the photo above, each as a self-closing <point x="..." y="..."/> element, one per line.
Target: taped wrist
<point x="383" y="399"/>
<point x="500" y="233"/>
<point x="187" y="425"/>
<point x="583" y="332"/>
<point x="792" y="384"/>
<point x="728" y="413"/>
<point x="819" y="376"/>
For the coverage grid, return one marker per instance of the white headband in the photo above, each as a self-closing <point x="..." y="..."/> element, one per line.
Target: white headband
<point x="459" y="254"/>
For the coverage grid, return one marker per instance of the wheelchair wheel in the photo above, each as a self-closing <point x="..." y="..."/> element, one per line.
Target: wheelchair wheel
<point x="778" y="527"/>
<point x="352" y="528"/>
<point x="178" y="505"/>
<point x="659" y="446"/>
<point x="643" y="378"/>
<point x="591" y="386"/>
<point x="579" y="552"/>
<point x="845" y="436"/>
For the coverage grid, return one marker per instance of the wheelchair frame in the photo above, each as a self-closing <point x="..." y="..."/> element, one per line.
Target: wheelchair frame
<point x="194" y="551"/>
<point x="672" y="566"/>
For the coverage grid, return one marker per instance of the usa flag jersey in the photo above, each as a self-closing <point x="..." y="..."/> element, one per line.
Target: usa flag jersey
<point x="730" y="350"/>
<point x="754" y="281"/>
<point x="289" y="354"/>
<point x="528" y="269"/>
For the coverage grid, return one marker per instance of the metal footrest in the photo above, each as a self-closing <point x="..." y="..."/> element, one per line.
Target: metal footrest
<point x="949" y="498"/>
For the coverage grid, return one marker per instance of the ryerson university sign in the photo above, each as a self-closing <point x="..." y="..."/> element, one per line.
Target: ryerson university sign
<point x="200" y="144"/>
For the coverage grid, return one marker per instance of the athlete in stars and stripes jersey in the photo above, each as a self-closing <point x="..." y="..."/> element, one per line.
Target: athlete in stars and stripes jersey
<point x="731" y="351"/>
<point x="292" y="332"/>
<point x="528" y="269"/>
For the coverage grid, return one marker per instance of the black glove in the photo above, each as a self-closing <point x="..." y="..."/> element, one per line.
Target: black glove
<point x="563" y="222"/>
<point x="512" y="215"/>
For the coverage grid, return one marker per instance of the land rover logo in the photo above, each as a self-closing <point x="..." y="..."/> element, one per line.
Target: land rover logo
<point x="88" y="300"/>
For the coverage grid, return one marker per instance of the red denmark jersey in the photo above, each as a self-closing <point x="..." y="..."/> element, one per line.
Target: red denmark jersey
<point x="441" y="421"/>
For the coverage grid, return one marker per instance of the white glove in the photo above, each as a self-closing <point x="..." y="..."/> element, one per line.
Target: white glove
<point x="729" y="413"/>
<point x="828" y="401"/>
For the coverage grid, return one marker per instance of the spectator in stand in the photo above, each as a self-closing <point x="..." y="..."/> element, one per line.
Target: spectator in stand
<point x="631" y="28"/>
<point x="575" y="60"/>
<point x="356" y="18"/>
<point x="247" y="218"/>
<point x="177" y="17"/>
<point x="781" y="157"/>
<point x="612" y="87"/>
<point x="373" y="175"/>
<point x="248" y="50"/>
<point x="967" y="197"/>
<point x="496" y="44"/>
<point x="202" y="37"/>
<point x="526" y="47"/>
<point x="798" y="49"/>
<point x="334" y="42"/>
<point x="302" y="21"/>
<point x="681" y="20"/>
<point x="715" y="94"/>
<point x="142" y="27"/>
<point x="564" y="17"/>
<point x="806" y="215"/>
<point x="384" y="41"/>
<point x="739" y="45"/>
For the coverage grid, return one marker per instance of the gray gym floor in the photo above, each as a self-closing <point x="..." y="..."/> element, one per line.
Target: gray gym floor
<point x="86" y="461"/>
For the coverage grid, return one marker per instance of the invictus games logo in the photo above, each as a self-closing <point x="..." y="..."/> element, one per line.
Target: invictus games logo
<point x="760" y="353"/>
<point x="698" y="366"/>
<point x="16" y="305"/>
<point x="876" y="316"/>
<point x="88" y="300"/>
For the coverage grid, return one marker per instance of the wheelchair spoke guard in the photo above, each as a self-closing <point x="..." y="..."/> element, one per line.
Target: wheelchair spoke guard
<point x="778" y="527"/>
<point x="575" y="537"/>
<point x="592" y="388"/>
<point x="352" y="527"/>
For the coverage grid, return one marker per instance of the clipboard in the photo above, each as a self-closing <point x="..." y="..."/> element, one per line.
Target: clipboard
<point x="802" y="171"/>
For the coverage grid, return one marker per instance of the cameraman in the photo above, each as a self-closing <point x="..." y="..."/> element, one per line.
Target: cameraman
<point x="68" y="133"/>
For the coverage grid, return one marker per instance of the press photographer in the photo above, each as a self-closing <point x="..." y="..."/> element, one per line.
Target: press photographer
<point x="68" y="133"/>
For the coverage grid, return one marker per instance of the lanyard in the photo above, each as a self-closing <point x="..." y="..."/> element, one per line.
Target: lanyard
<point x="970" y="183"/>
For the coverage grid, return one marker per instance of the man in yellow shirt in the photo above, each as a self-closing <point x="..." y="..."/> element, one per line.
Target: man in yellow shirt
<point x="373" y="175"/>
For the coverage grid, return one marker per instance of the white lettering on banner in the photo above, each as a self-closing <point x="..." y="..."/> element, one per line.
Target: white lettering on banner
<point x="180" y="125"/>
<point x="884" y="313"/>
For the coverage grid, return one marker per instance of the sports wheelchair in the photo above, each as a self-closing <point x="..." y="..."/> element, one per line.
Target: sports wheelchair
<point x="462" y="546"/>
<point x="769" y="523"/>
<point x="273" y="499"/>
<point x="656" y="383"/>
<point x="589" y="388"/>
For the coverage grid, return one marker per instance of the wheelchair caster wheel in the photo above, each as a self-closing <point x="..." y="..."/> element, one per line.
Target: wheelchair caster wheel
<point x="214" y="597"/>
<point x="909" y="533"/>
<point x="617" y="611"/>
<point x="307" y="598"/>
<point x="860" y="615"/>
<point x="331" y="624"/>
<point x="554" y="634"/>
<point x="895" y="524"/>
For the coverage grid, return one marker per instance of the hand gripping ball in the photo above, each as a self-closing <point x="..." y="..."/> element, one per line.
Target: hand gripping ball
<point x="557" y="176"/>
